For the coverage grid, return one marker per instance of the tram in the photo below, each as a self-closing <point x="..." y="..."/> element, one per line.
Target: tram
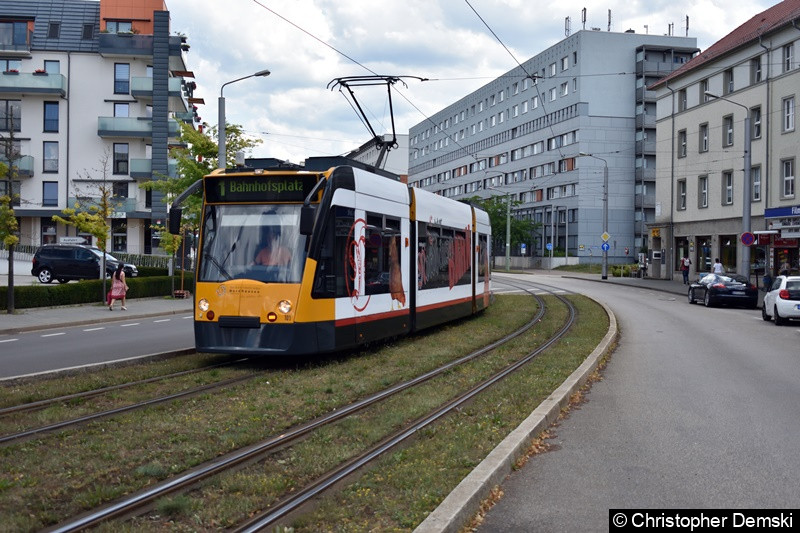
<point x="328" y="256"/>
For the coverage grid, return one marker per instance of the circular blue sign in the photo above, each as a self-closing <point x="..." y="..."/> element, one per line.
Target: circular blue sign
<point x="605" y="246"/>
<point x="748" y="238"/>
<point x="549" y="246"/>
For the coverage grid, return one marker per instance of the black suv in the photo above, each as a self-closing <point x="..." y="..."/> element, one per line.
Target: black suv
<point x="65" y="262"/>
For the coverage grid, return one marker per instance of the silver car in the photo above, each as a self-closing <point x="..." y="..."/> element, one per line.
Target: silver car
<point x="782" y="302"/>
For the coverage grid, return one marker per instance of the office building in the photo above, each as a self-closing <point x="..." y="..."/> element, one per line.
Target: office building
<point x="521" y="136"/>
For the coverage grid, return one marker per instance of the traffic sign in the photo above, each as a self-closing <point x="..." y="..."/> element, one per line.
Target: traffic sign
<point x="605" y="246"/>
<point x="605" y="236"/>
<point x="549" y="246"/>
<point x="748" y="238"/>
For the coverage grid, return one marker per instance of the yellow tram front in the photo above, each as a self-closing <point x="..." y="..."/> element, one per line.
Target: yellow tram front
<point x="252" y="261"/>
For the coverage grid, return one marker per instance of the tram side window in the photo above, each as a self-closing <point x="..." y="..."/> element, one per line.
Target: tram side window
<point x="483" y="259"/>
<point x="329" y="279"/>
<point x="381" y="252"/>
<point x="442" y="257"/>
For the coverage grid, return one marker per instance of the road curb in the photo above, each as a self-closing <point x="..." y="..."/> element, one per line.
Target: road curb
<point x="464" y="501"/>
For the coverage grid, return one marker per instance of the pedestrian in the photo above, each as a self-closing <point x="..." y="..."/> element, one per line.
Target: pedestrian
<point x="118" y="288"/>
<point x="718" y="267"/>
<point x="685" y="262"/>
<point x="785" y="267"/>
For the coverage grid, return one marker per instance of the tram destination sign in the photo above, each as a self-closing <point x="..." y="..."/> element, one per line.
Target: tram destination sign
<point x="260" y="188"/>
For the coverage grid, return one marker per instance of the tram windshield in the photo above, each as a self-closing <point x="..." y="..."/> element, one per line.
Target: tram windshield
<point x="259" y="242"/>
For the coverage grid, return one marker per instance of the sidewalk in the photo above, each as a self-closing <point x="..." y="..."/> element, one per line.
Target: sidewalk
<point x="77" y="315"/>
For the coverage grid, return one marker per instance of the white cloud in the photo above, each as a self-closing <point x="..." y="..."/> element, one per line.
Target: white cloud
<point x="295" y="113"/>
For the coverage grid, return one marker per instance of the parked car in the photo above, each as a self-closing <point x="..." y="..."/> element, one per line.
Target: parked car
<point x="130" y="270"/>
<point x="65" y="262"/>
<point x="724" y="289"/>
<point x="782" y="301"/>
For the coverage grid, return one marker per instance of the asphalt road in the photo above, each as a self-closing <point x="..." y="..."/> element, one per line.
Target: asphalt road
<point x="697" y="408"/>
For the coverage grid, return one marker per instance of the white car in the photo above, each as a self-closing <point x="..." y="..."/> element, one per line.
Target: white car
<point x="782" y="301"/>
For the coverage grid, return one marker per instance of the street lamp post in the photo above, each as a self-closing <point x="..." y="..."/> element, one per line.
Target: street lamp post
<point x="222" y="154"/>
<point x="604" y="274"/>
<point x="746" y="223"/>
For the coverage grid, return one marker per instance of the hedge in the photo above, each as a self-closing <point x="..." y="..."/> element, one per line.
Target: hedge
<point x="89" y="291"/>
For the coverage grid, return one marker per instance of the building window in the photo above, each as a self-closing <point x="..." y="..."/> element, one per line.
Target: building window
<point x="703" y="138"/>
<point x="755" y="180"/>
<point x="755" y="70"/>
<point x="52" y="66"/>
<point x="727" y="130"/>
<point x="703" y="90"/>
<point x="681" y="195"/>
<point x="119" y="26"/>
<point x="48" y="231"/>
<point x="564" y="63"/>
<point x="564" y="89"/>
<point x="10" y="115"/>
<point x="51" y="117"/>
<point x="727" y="86"/>
<point x="788" y="177"/>
<point x="682" y="105"/>
<point x="553" y="94"/>
<point x="88" y="32"/>
<point x="535" y="102"/>
<point x="755" y="120"/>
<point x="49" y="193"/>
<point x="727" y="187"/>
<point x="682" y="143"/>
<point x="120" y="158"/>
<point x="121" y="110"/>
<point x="120" y="189"/>
<point x="702" y="192"/>
<point x="50" y="157"/>
<point x="788" y="57"/>
<point x="552" y="69"/>
<point x="14" y="35"/>
<point x="788" y="114"/>
<point x="122" y="75"/>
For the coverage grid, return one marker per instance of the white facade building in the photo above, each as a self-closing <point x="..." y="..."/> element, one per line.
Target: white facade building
<point x="753" y="71"/>
<point x="91" y="93"/>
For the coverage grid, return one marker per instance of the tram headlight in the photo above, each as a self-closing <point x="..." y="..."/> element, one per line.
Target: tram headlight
<point x="285" y="307"/>
<point x="203" y="305"/>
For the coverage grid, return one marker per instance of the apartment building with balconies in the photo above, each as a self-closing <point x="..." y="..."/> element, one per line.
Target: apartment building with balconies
<point x="91" y="96"/>
<point x="702" y="191"/>
<point x="521" y="136"/>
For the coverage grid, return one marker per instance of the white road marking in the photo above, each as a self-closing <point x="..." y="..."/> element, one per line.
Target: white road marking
<point x="128" y="325"/>
<point x="9" y="340"/>
<point x="53" y="334"/>
<point x="94" y="329"/>
<point x="162" y="320"/>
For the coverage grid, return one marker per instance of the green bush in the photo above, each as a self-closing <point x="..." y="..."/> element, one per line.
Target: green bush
<point x="88" y="291"/>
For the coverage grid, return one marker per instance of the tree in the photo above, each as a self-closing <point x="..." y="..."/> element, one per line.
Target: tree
<point x="91" y="215"/>
<point x="198" y="159"/>
<point x="497" y="209"/>
<point x="8" y="221"/>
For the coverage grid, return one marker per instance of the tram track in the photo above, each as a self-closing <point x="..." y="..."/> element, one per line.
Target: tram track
<point x="142" y="500"/>
<point x="21" y="436"/>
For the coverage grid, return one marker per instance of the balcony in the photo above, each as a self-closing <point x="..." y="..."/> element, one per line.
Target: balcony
<point x="648" y="201"/>
<point x="655" y="68"/>
<point x="645" y="174"/>
<point x="142" y="88"/>
<point x="125" y="44"/>
<point x="643" y="95"/>
<point x="24" y="165"/>
<point x="30" y="83"/>
<point x="645" y="121"/>
<point x="646" y="147"/>
<point x="142" y="128"/>
<point x="143" y="168"/>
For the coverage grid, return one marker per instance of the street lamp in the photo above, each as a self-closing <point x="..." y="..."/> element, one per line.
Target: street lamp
<point x="222" y="155"/>
<point x="746" y="188"/>
<point x="604" y="274"/>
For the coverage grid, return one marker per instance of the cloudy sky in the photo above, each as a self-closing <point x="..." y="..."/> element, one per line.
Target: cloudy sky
<point x="308" y="43"/>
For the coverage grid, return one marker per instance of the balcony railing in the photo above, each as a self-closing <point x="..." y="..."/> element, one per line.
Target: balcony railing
<point x="132" y="127"/>
<point x="143" y="168"/>
<point x="142" y="87"/>
<point x="28" y="82"/>
<point x="118" y="205"/>
<point x="24" y="165"/>
<point x="126" y="44"/>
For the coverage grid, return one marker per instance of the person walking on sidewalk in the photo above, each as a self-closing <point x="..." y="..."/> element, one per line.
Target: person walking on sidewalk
<point x="685" y="262"/>
<point x="718" y="269"/>
<point x="118" y="288"/>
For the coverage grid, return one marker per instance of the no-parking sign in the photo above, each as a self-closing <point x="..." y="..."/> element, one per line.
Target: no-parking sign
<point x="748" y="238"/>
